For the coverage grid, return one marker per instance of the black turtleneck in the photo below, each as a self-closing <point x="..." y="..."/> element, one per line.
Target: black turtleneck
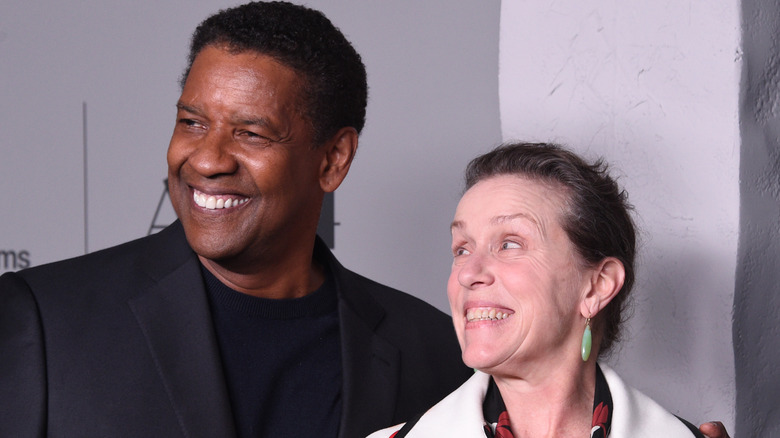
<point x="281" y="359"/>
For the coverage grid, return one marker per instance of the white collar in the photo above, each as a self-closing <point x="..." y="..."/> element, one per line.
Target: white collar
<point x="635" y="415"/>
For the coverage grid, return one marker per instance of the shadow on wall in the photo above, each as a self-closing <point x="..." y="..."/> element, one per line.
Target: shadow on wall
<point x="757" y="294"/>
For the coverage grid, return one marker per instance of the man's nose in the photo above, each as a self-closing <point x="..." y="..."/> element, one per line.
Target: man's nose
<point x="214" y="155"/>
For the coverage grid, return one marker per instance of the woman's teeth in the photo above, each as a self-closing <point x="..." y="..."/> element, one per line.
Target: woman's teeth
<point x="485" y="315"/>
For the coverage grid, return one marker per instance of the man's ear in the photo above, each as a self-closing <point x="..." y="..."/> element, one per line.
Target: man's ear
<point x="339" y="152"/>
<point x="606" y="280"/>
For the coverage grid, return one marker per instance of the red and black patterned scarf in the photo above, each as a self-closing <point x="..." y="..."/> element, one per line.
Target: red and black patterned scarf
<point x="497" y="419"/>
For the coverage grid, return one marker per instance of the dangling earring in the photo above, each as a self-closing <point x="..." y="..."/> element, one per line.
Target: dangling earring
<point x="587" y="341"/>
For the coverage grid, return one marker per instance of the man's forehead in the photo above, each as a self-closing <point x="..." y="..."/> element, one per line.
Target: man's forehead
<point x="213" y="59"/>
<point x="249" y="68"/>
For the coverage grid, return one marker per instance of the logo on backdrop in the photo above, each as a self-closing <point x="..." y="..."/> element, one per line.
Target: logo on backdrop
<point x="12" y="260"/>
<point x="164" y="216"/>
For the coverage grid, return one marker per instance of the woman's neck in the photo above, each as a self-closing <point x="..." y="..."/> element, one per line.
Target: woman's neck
<point x="554" y="402"/>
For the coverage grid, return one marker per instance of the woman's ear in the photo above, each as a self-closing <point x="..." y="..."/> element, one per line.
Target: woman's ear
<point x="339" y="152"/>
<point x="606" y="280"/>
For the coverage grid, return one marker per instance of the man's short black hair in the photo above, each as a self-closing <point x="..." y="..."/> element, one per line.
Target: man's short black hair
<point x="334" y="91"/>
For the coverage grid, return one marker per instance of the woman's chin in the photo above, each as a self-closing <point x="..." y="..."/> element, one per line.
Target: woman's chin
<point x="483" y="360"/>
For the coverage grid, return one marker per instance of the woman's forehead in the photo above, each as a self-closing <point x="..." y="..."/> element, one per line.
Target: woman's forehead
<point x="511" y="200"/>
<point x="494" y="192"/>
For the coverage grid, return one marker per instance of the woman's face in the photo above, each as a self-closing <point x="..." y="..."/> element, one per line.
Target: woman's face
<point x="516" y="282"/>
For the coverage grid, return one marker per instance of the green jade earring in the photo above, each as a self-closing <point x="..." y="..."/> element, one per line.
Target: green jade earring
<point x="587" y="341"/>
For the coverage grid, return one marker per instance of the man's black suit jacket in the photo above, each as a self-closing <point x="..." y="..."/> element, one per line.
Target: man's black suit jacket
<point x="120" y="343"/>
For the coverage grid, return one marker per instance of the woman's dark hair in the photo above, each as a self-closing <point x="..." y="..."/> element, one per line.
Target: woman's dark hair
<point x="335" y="90"/>
<point x="596" y="217"/>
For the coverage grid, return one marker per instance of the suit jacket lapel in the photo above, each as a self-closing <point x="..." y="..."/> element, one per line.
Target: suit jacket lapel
<point x="176" y="321"/>
<point x="370" y="375"/>
<point x="371" y="366"/>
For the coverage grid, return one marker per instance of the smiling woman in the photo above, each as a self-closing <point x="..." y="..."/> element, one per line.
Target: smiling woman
<point x="511" y="257"/>
<point x="543" y="249"/>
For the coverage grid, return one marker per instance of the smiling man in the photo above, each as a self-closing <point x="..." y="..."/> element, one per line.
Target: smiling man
<point x="236" y="320"/>
<point x="246" y="176"/>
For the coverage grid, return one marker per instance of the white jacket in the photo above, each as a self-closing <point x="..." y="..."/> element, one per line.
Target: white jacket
<point x="634" y="415"/>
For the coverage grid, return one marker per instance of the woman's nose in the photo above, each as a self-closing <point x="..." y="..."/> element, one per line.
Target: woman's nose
<point x="476" y="272"/>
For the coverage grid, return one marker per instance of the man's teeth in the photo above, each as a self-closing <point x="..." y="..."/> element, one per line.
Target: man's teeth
<point x="485" y="315"/>
<point x="214" y="203"/>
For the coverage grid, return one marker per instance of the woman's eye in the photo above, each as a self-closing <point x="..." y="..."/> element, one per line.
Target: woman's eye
<point x="510" y="245"/>
<point x="460" y="251"/>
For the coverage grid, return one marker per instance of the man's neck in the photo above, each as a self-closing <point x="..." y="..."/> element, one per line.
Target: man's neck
<point x="277" y="280"/>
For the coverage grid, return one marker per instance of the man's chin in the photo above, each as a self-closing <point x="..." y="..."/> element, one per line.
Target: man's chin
<point x="212" y="246"/>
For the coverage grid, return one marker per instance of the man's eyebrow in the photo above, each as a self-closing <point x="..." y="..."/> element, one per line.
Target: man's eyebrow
<point x="243" y="120"/>
<point x="251" y="121"/>
<point x="456" y="224"/>
<point x="188" y="108"/>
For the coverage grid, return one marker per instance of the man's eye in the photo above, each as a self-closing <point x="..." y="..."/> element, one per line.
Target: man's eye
<point x="189" y="122"/>
<point x="253" y="137"/>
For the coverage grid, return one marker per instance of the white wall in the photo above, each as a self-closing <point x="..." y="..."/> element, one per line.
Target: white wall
<point x="653" y="87"/>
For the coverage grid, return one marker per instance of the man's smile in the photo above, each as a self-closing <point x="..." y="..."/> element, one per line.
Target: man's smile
<point x="216" y="202"/>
